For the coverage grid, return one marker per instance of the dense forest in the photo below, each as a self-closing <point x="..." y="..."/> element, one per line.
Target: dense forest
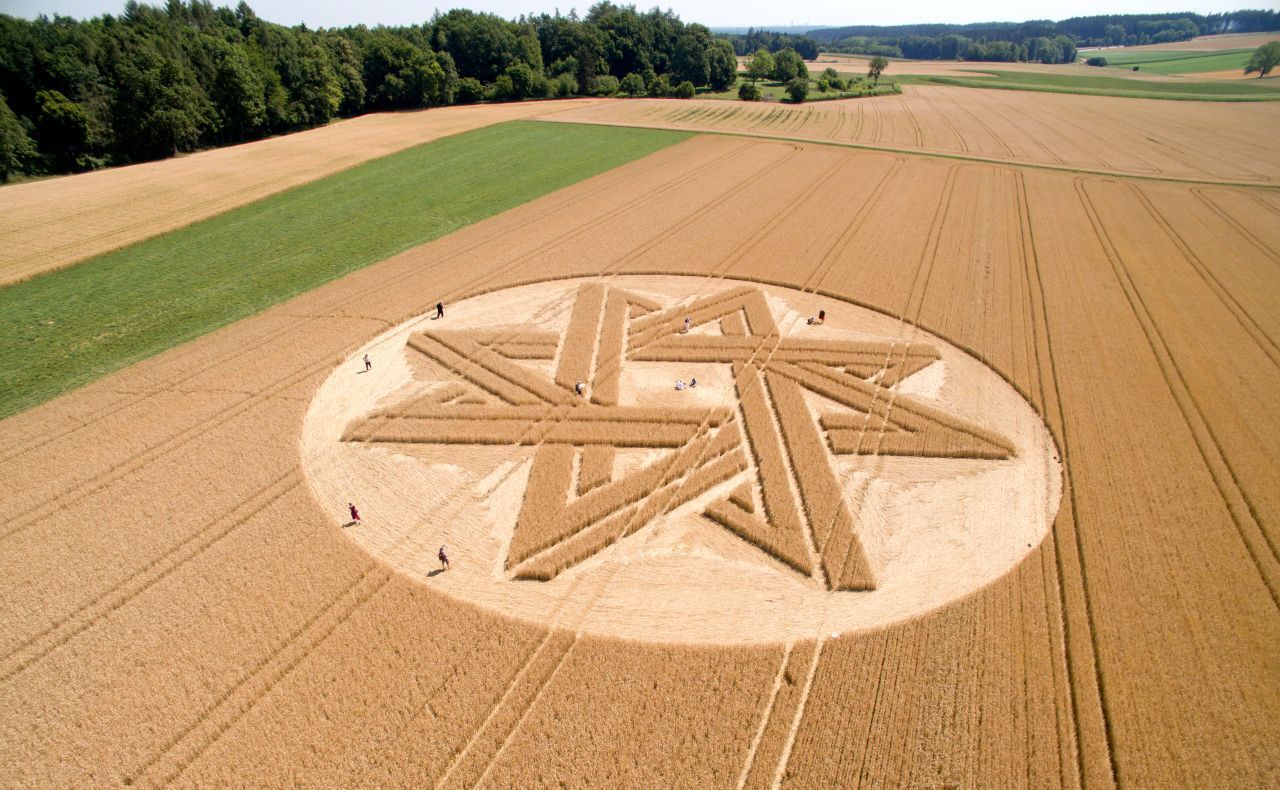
<point x="1041" y="41"/>
<point x="154" y="81"/>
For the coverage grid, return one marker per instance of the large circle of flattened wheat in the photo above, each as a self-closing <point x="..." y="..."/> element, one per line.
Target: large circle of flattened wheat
<point x="820" y="479"/>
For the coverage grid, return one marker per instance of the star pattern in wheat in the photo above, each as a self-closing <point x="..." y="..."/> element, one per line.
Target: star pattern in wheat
<point x="789" y="501"/>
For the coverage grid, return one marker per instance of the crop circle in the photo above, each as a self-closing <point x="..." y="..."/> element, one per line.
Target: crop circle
<point x="821" y="477"/>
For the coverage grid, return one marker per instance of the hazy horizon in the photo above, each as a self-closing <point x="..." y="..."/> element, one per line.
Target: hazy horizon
<point x="747" y="13"/>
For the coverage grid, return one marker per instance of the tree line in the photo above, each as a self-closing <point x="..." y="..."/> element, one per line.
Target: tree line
<point x="155" y="81"/>
<point x="755" y="40"/>
<point x="1042" y="41"/>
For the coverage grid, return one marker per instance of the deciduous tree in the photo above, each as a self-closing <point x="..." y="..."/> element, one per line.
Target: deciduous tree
<point x="1264" y="59"/>
<point x="16" y="148"/>
<point x="632" y="85"/>
<point x="761" y="67"/>
<point x="722" y="65"/>
<point x="876" y="67"/>
<point x="798" y="89"/>
<point x="787" y="65"/>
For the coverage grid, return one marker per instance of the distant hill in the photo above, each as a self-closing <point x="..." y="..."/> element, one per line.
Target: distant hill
<point x="795" y="30"/>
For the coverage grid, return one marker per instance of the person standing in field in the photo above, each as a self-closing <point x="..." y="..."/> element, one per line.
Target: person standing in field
<point x="444" y="559"/>
<point x="688" y="322"/>
<point x="367" y="363"/>
<point x="580" y="388"/>
<point x="439" y="309"/>
<point x="355" y="514"/>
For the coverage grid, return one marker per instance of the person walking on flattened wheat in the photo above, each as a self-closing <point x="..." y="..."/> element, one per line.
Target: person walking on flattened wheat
<point x="355" y="514"/>
<point x="444" y="559"/>
<point x="367" y="363"/>
<point x="439" y="309"/>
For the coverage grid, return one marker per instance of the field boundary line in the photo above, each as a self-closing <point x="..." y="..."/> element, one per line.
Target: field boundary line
<point x="71" y="625"/>
<point x="1188" y="405"/>
<point x="1075" y="676"/>
<point x="1237" y="310"/>
<point x="882" y="148"/>
<point x="234" y="204"/>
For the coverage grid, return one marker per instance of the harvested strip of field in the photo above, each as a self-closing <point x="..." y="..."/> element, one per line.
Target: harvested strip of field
<point x="1167" y="139"/>
<point x="48" y="225"/>
<point x="84" y="322"/>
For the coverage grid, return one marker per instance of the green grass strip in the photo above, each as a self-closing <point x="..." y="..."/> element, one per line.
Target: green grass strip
<point x="1141" y="58"/>
<point x="70" y="327"/>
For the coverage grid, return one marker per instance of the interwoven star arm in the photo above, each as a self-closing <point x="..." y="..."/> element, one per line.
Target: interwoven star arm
<point x="574" y="506"/>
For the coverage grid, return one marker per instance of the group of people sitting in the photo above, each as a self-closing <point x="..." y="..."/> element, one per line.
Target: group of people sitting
<point x="681" y="385"/>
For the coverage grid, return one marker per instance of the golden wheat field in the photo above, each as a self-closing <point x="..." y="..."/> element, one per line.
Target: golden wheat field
<point x="54" y="224"/>
<point x="1140" y="137"/>
<point x="1066" y="336"/>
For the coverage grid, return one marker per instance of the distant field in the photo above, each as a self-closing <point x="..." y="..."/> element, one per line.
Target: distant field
<point x="1104" y="86"/>
<point x="72" y="326"/>
<point x="1197" y="140"/>
<point x="1202" y="43"/>
<point x="1190" y="62"/>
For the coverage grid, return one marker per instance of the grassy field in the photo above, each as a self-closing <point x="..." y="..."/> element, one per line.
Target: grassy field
<point x="70" y="327"/>
<point x="1242" y="90"/>
<point x="1170" y="62"/>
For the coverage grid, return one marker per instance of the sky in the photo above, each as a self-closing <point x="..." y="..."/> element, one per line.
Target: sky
<point x="715" y="13"/>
